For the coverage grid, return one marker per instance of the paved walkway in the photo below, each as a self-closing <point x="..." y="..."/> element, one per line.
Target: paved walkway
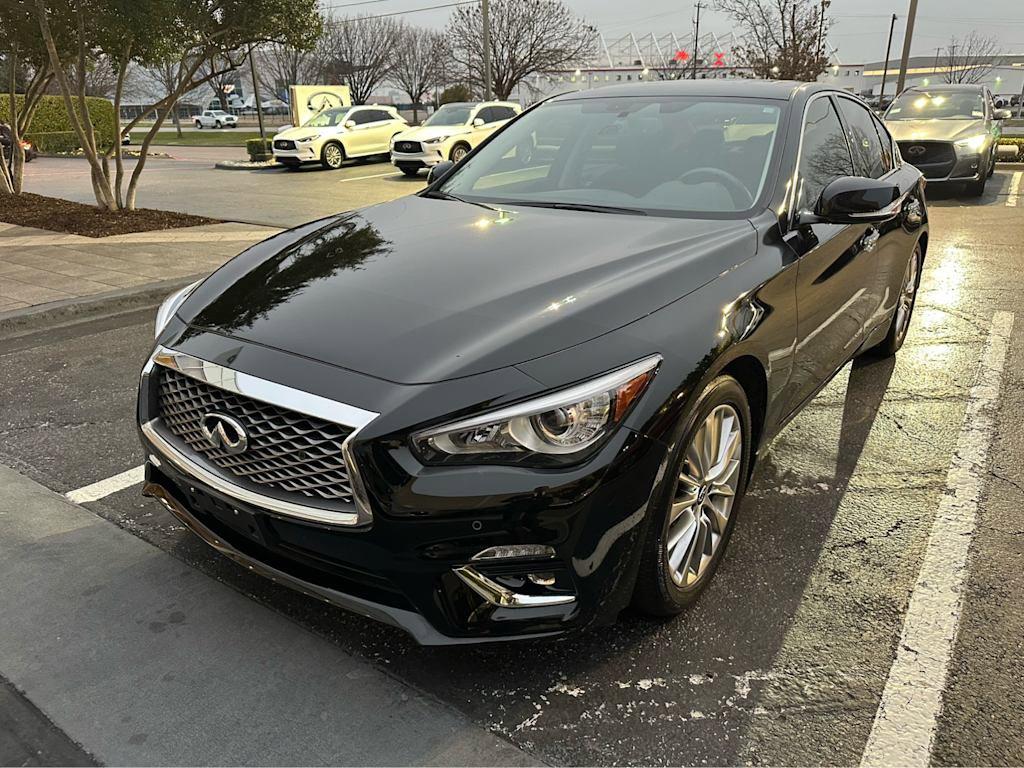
<point x="38" y="266"/>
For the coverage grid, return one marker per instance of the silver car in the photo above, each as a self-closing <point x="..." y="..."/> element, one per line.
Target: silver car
<point x="949" y="132"/>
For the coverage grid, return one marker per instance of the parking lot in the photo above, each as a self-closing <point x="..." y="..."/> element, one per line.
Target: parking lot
<point x="783" y="661"/>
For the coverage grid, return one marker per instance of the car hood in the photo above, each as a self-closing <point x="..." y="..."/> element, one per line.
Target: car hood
<point x="934" y="130"/>
<point x="422" y="290"/>
<point x="302" y="132"/>
<point x="427" y="132"/>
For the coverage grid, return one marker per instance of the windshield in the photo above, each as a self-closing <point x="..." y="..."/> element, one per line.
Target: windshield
<point x="450" y="114"/>
<point x="657" y="155"/>
<point x="937" y="105"/>
<point x="326" y="119"/>
<point x="218" y="112"/>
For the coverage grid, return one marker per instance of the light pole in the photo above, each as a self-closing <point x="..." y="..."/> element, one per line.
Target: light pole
<point x="256" y="93"/>
<point x="908" y="36"/>
<point x="821" y="26"/>
<point x="885" y="69"/>
<point x="486" y="13"/>
<point x="696" y="40"/>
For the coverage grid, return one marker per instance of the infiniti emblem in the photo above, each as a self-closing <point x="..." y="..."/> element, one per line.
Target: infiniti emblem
<point x="224" y="432"/>
<point x="916" y="150"/>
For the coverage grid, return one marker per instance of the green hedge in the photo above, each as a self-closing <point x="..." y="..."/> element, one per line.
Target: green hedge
<point x="51" y="130"/>
<point x="259" y="149"/>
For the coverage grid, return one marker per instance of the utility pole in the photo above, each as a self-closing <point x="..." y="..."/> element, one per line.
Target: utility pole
<point x="696" y="40"/>
<point x="885" y="70"/>
<point x="821" y="26"/>
<point x="256" y="93"/>
<point x="908" y="36"/>
<point x="950" y="76"/>
<point x="486" y="13"/>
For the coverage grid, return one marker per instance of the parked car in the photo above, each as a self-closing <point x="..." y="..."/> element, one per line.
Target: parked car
<point x="5" y="145"/>
<point x="533" y="393"/>
<point x="950" y="132"/>
<point x="449" y="134"/>
<point x="334" y="135"/>
<point x="215" y="118"/>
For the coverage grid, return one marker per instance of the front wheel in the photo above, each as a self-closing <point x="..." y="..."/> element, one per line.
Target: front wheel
<point x="458" y="153"/>
<point x="332" y="156"/>
<point x="695" y="511"/>
<point x="199" y="126"/>
<point x="893" y="340"/>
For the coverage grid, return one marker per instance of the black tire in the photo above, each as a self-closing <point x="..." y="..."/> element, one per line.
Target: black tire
<point x="656" y="593"/>
<point x="199" y="126"/>
<point x="897" y="334"/>
<point x="459" y="152"/>
<point x="217" y="124"/>
<point x="991" y="164"/>
<point x="329" y="159"/>
<point x="412" y="171"/>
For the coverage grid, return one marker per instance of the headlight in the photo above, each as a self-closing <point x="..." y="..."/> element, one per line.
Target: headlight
<point x="437" y="139"/>
<point x="170" y="306"/>
<point x="559" y="427"/>
<point x="314" y="137"/>
<point x="972" y="143"/>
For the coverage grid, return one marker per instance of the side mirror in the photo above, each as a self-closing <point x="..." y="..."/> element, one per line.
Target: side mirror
<point x="855" y="200"/>
<point x="439" y="170"/>
<point x="350" y="124"/>
<point x="1002" y="114"/>
<point x="477" y="122"/>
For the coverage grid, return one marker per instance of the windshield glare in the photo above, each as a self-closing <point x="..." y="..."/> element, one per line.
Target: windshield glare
<point x="326" y="119"/>
<point x="450" y="114"/>
<point x="661" y="155"/>
<point x="936" y="105"/>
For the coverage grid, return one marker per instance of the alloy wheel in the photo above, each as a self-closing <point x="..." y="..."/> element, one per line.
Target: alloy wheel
<point x="332" y="153"/>
<point x="705" y="492"/>
<point x="458" y="154"/>
<point x="907" y="294"/>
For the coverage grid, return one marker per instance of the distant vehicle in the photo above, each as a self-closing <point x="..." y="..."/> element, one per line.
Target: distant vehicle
<point x="126" y="138"/>
<point x="949" y="132"/>
<point x="449" y="134"/>
<point x="5" y="145"/>
<point x="215" y="118"/>
<point x="333" y="135"/>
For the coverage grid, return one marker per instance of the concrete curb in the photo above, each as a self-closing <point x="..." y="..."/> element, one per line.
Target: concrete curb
<point x="88" y="307"/>
<point x="242" y="165"/>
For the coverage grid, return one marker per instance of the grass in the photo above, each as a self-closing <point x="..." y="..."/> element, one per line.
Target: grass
<point x="224" y="137"/>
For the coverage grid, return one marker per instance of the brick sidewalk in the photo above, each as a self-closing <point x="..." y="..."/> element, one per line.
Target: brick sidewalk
<point x="38" y="266"/>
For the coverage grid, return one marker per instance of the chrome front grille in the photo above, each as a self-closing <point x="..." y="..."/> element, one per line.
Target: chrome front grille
<point x="408" y="146"/>
<point x="287" y="451"/>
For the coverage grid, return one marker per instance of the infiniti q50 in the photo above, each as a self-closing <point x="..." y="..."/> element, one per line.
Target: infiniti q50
<point x="533" y="394"/>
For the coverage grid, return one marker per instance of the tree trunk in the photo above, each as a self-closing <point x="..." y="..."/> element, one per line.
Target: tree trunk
<point x="177" y="119"/>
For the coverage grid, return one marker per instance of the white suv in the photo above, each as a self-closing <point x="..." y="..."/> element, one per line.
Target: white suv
<point x="216" y="118"/>
<point x="331" y="136"/>
<point x="449" y="134"/>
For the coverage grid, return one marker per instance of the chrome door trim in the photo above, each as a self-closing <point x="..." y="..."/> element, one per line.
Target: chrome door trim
<point x="247" y="385"/>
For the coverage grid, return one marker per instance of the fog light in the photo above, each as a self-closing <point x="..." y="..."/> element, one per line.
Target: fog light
<point x="512" y="551"/>
<point x="542" y="579"/>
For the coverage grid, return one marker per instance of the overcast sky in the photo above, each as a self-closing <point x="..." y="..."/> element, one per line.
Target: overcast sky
<point x="859" y="32"/>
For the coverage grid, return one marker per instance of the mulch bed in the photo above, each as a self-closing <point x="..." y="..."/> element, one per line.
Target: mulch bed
<point x="58" y="215"/>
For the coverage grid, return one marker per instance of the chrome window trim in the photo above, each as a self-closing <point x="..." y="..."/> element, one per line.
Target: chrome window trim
<point x="271" y="392"/>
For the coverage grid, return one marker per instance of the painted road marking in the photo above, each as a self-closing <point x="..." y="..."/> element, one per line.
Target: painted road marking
<point x="904" y="726"/>
<point x="1011" y="195"/>
<point x="374" y="176"/>
<point x="102" y="488"/>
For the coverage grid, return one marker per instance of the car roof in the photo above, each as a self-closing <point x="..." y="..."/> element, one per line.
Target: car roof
<point x="738" y="88"/>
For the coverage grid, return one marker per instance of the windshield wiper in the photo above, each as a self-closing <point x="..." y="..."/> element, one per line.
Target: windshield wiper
<point x="437" y="194"/>
<point x="591" y="207"/>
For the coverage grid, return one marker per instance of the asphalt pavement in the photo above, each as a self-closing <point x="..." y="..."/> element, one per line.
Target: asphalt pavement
<point x="785" y="658"/>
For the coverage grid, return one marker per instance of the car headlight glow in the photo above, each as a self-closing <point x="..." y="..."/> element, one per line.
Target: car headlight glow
<point x="972" y="143"/>
<point x="170" y="306"/>
<point x="437" y="139"/>
<point x="558" y="427"/>
<point x="314" y="137"/>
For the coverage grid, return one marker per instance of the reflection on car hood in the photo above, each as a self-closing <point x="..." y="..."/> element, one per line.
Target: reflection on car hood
<point x="934" y="130"/>
<point x="302" y="132"/>
<point x="420" y="290"/>
<point x="427" y="132"/>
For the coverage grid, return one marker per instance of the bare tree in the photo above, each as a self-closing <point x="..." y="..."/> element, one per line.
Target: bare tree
<point x="527" y="37"/>
<point x="968" y="59"/>
<point x="359" y="51"/>
<point x="220" y="72"/>
<point x="163" y="78"/>
<point x="780" y="39"/>
<point x="100" y="77"/>
<point x="418" y="63"/>
<point x="278" y="66"/>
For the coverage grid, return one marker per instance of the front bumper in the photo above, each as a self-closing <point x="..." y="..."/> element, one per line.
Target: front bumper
<point x="301" y="154"/>
<point x="413" y="566"/>
<point x="943" y="163"/>
<point x="425" y="159"/>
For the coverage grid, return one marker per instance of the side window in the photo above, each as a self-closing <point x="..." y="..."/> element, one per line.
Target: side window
<point x="886" y="139"/>
<point x="380" y="115"/>
<point x="504" y="113"/>
<point x="864" y="141"/>
<point x="360" y="116"/>
<point x="824" y="154"/>
<point x="486" y="114"/>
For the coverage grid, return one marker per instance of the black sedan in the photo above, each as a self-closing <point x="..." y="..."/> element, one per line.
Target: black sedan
<point x="533" y="394"/>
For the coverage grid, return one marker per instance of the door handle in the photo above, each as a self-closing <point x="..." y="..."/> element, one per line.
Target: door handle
<point x="870" y="239"/>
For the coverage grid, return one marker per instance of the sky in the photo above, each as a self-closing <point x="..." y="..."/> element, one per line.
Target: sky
<point x="859" y="32"/>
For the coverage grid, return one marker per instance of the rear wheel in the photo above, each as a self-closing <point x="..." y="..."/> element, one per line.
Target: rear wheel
<point x="199" y="125"/>
<point x="332" y="156"/>
<point x="893" y="340"/>
<point x="696" y="509"/>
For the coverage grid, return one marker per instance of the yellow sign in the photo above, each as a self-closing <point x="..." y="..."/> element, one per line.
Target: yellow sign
<point x="307" y="100"/>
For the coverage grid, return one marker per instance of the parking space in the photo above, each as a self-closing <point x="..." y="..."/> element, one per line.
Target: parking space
<point x="786" y="657"/>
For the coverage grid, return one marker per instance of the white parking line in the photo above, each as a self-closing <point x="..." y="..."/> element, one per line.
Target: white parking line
<point x="1011" y="193"/>
<point x="904" y="725"/>
<point x="374" y="176"/>
<point x="108" y="486"/>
